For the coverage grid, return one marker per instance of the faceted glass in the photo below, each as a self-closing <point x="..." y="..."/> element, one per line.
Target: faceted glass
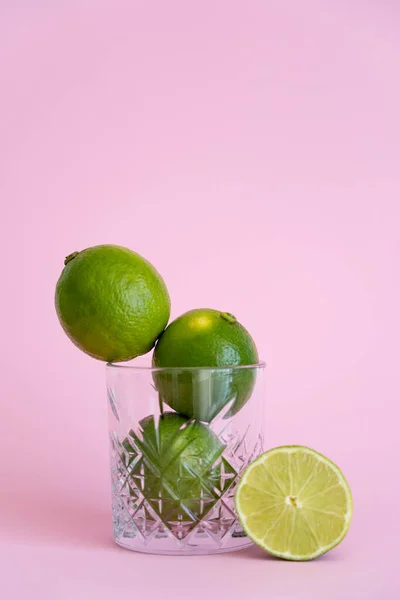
<point x="173" y="475"/>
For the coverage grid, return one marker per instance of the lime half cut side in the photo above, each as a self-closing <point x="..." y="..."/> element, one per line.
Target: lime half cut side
<point x="294" y="503"/>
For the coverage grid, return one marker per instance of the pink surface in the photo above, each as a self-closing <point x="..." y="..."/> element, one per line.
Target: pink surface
<point x="251" y="151"/>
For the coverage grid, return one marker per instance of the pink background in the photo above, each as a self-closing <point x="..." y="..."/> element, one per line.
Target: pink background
<point x="250" y="150"/>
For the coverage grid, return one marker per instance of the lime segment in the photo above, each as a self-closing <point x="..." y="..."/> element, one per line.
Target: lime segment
<point x="294" y="502"/>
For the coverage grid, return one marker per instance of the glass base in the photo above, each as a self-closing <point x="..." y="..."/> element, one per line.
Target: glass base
<point x="138" y="527"/>
<point x="198" y="546"/>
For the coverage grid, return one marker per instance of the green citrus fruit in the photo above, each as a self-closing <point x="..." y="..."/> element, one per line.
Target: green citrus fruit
<point x="177" y="474"/>
<point x="111" y="302"/>
<point x="207" y="339"/>
<point x="294" y="503"/>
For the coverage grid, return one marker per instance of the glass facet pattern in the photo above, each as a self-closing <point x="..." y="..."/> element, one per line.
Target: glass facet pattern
<point x="174" y="478"/>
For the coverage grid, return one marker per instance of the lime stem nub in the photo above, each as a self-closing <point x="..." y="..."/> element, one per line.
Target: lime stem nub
<point x="70" y="257"/>
<point x="228" y="317"/>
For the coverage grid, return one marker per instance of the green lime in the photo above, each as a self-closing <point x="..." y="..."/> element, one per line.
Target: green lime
<point x="177" y="473"/>
<point x="196" y="341"/>
<point x="294" y="503"/>
<point x="111" y="302"/>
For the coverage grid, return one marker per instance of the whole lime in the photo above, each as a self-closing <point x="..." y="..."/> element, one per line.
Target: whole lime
<point x="202" y="346"/>
<point x="177" y="472"/>
<point x="111" y="302"/>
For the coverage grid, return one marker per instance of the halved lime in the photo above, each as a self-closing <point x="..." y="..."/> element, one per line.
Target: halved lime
<point x="294" y="502"/>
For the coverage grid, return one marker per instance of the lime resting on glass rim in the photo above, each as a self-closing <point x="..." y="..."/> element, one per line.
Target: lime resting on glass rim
<point x="179" y="468"/>
<point x="111" y="302"/>
<point x="202" y="348"/>
<point x="294" y="503"/>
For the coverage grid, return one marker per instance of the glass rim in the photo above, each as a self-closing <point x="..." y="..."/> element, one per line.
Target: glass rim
<point x="111" y="365"/>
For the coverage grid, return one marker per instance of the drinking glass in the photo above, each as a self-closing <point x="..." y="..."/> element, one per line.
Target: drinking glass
<point x="180" y="439"/>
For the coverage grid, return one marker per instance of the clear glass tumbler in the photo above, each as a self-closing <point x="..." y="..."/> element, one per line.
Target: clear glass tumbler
<point x="180" y="440"/>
